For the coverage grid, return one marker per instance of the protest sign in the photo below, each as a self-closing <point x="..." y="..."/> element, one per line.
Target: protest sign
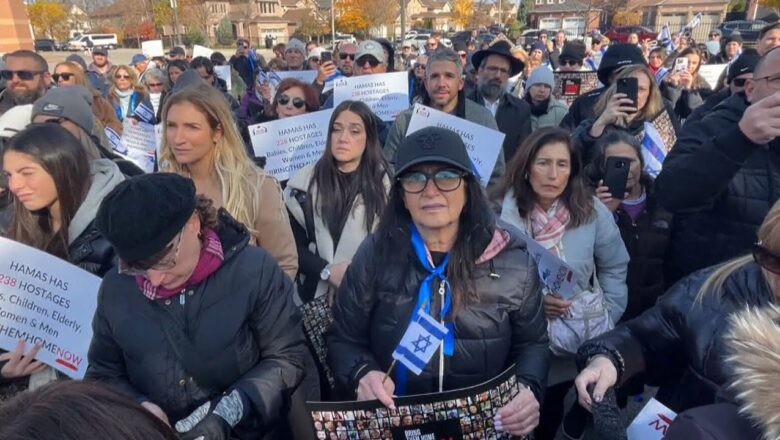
<point x="274" y="78"/>
<point x="48" y="301"/>
<point x="153" y="48"/>
<point x="158" y="134"/>
<point x="223" y="72"/>
<point x="711" y="73"/>
<point x="652" y="422"/>
<point x="290" y="144"/>
<point x="556" y="275"/>
<point x="458" y="414"/>
<point x="570" y="85"/>
<point x="387" y="94"/>
<point x="201" y="51"/>
<point x="482" y="144"/>
<point x="138" y="143"/>
<point x="317" y="317"/>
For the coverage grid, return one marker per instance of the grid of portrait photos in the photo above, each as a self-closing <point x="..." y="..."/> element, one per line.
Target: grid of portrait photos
<point x="570" y="85"/>
<point x="317" y="318"/>
<point x="460" y="414"/>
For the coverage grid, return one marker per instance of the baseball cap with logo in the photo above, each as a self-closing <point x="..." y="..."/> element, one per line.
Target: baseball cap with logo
<point x="15" y="120"/>
<point x="73" y="103"/>
<point x="371" y="47"/>
<point x="432" y="144"/>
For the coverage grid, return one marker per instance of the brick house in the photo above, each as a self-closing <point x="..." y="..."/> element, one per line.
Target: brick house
<point x="573" y="16"/>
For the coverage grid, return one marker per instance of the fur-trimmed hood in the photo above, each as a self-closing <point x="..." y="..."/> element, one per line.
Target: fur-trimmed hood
<point x="754" y="341"/>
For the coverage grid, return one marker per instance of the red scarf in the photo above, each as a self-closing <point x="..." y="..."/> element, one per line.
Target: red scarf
<point x="210" y="260"/>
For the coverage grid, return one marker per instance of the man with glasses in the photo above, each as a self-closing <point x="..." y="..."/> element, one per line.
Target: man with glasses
<point x="723" y="174"/>
<point x="513" y="115"/>
<point x="244" y="63"/>
<point x="346" y="59"/>
<point x="26" y="75"/>
<point x="444" y="86"/>
<point x="714" y="35"/>
<point x="431" y="45"/>
<point x="571" y="57"/>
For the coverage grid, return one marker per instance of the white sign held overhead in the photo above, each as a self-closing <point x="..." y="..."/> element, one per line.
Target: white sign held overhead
<point x="201" y="51"/>
<point x="387" y="94"/>
<point x="153" y="48"/>
<point x="274" y="78"/>
<point x="711" y="73"/>
<point x="290" y="144"/>
<point x="483" y="144"/>
<point x="47" y="301"/>
<point x="223" y="72"/>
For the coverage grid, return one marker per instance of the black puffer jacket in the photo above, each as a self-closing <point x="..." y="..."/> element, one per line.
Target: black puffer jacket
<point x="720" y="186"/>
<point x="379" y="291"/>
<point x="647" y="241"/>
<point x="685" y="101"/>
<point x="92" y="252"/>
<point x="678" y="344"/>
<point x="582" y="109"/>
<point x="241" y="320"/>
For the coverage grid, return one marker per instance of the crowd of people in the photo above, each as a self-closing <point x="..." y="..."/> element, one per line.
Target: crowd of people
<point x="207" y="262"/>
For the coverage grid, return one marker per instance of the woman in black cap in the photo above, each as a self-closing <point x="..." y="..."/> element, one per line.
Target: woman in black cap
<point x="196" y="325"/>
<point x="438" y="234"/>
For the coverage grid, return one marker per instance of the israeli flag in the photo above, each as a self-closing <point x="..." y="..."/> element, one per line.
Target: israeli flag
<point x="664" y="37"/>
<point x="661" y="74"/>
<point x="421" y="340"/>
<point x="115" y="140"/>
<point x="692" y="24"/>
<point x="653" y="150"/>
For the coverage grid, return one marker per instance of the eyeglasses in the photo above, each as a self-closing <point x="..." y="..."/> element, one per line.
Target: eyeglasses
<point x="462" y="55"/>
<point x="170" y="256"/>
<point x="296" y="102"/>
<point x="65" y="76"/>
<point x="420" y="66"/>
<point x="120" y="76"/>
<point x="772" y="81"/>
<point x="495" y="69"/>
<point x="155" y="84"/>
<point x="739" y="82"/>
<point x="344" y="56"/>
<point x="568" y="63"/>
<point x="766" y="258"/>
<point x="315" y="59"/>
<point x="714" y="35"/>
<point x="373" y="62"/>
<point x="445" y="180"/>
<point x="24" y="75"/>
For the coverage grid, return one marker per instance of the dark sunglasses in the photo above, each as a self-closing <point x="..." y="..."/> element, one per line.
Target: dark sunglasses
<point x="155" y="84"/>
<point x="122" y="76"/>
<point x="24" y="75"/>
<point x="344" y="56"/>
<point x="739" y="82"/>
<point x="766" y="258"/>
<point x="296" y="102"/>
<point x="65" y="76"/>
<point x="714" y="35"/>
<point x="373" y="62"/>
<point x="445" y="180"/>
<point x="568" y="63"/>
<point x="420" y="66"/>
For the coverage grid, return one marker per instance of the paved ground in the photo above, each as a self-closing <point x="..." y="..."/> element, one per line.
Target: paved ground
<point x="123" y="56"/>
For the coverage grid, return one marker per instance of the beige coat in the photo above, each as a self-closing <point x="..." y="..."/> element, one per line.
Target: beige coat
<point x="272" y="226"/>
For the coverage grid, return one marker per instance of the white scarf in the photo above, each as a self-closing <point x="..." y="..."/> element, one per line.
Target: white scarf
<point x="155" y="98"/>
<point x="124" y="100"/>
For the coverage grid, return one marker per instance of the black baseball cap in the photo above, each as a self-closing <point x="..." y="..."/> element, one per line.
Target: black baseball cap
<point x="432" y="144"/>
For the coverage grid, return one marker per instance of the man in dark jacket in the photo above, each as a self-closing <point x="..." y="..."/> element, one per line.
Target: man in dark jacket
<point x="723" y="174"/>
<point x="27" y="78"/>
<point x="243" y="63"/>
<point x="617" y="56"/>
<point x="495" y="65"/>
<point x="160" y="330"/>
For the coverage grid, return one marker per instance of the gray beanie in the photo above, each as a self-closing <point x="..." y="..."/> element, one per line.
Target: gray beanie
<point x="76" y="58"/>
<point x="295" y="44"/>
<point x="540" y="75"/>
<point x="73" y="103"/>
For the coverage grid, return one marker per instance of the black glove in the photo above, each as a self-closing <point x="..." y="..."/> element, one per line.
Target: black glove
<point x="212" y="427"/>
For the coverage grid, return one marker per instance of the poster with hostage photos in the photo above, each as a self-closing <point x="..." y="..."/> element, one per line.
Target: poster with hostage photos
<point x="570" y="85"/>
<point x="317" y="318"/>
<point x="465" y="414"/>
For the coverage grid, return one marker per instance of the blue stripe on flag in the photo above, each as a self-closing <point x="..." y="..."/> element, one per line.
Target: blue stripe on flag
<point x="406" y="357"/>
<point x="432" y="328"/>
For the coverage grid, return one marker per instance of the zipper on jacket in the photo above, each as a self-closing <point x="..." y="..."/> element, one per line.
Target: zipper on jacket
<point x="441" y="346"/>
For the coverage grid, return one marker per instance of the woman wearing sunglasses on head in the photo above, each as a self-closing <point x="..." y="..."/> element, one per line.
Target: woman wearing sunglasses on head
<point x="439" y="250"/>
<point x="201" y="141"/>
<point x="71" y="74"/>
<point x="196" y="325"/>
<point x="56" y="191"/>
<point x="678" y="344"/>
<point x="126" y="93"/>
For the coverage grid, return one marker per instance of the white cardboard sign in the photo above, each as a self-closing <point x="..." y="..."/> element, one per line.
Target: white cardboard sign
<point x="223" y="72"/>
<point x="387" y="94"/>
<point x="652" y="422"/>
<point x="48" y="301"/>
<point x="153" y="48"/>
<point x="290" y="144"/>
<point x="556" y="275"/>
<point x="711" y="73"/>
<point x="482" y="144"/>
<point x="139" y="143"/>
<point x="201" y="51"/>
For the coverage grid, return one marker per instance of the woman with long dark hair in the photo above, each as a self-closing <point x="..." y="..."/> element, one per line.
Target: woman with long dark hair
<point x="56" y="192"/>
<point x="344" y="193"/>
<point x="686" y="89"/>
<point x="175" y="68"/>
<point x="545" y="196"/>
<point x="438" y="233"/>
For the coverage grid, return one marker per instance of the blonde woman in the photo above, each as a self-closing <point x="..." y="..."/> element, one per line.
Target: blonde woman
<point x="71" y="74"/>
<point x="616" y="111"/>
<point x="201" y="141"/>
<point x="125" y="93"/>
<point x="678" y="344"/>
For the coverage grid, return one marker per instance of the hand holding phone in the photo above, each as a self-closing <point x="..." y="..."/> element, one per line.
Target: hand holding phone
<point x="616" y="175"/>
<point x="326" y="56"/>
<point x="629" y="87"/>
<point x="681" y="64"/>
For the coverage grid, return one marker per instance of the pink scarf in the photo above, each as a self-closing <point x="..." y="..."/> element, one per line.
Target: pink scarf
<point x="210" y="260"/>
<point x="497" y="244"/>
<point x="548" y="226"/>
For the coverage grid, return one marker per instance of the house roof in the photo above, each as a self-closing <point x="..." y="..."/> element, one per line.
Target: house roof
<point x="433" y="4"/>
<point x="648" y="3"/>
<point x="296" y="15"/>
<point x="569" y="6"/>
<point x="289" y="3"/>
<point x="240" y="17"/>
